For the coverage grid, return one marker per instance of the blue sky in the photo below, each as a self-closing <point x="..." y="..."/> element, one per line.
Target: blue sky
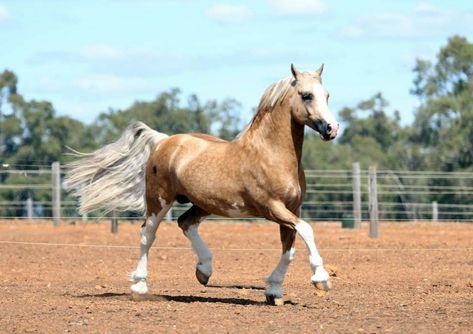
<point x="87" y="56"/>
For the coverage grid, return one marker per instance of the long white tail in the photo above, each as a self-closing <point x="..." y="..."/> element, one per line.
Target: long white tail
<point x="113" y="177"/>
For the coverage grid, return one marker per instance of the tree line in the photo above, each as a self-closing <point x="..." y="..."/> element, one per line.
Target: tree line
<point x="440" y="137"/>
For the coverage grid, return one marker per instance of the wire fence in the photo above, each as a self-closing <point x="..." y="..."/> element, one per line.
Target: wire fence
<point x="29" y="192"/>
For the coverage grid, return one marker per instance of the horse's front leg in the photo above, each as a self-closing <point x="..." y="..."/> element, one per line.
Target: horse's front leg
<point x="321" y="278"/>
<point x="283" y="216"/>
<point x="274" y="282"/>
<point x="148" y="235"/>
<point x="189" y="223"/>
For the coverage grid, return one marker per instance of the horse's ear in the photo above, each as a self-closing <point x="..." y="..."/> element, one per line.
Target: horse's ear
<point x="320" y="70"/>
<point x="294" y="71"/>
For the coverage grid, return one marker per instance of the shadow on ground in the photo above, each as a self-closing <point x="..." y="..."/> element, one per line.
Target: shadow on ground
<point x="179" y="298"/>
<point x="242" y="286"/>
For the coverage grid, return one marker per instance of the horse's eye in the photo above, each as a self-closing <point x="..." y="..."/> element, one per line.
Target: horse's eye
<point x="307" y="96"/>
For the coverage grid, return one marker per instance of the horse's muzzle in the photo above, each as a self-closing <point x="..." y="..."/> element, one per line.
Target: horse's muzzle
<point x="327" y="131"/>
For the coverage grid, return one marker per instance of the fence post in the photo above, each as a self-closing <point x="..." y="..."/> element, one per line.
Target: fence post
<point x="373" y="202"/>
<point x="356" y="194"/>
<point x="435" y="211"/>
<point x="114" y="222"/>
<point x="56" y="196"/>
<point x="169" y="215"/>
<point x="29" y="207"/>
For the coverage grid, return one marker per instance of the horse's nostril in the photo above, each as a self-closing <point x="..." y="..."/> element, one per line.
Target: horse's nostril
<point x="329" y="129"/>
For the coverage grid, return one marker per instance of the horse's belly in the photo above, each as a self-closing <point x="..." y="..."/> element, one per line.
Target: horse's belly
<point x="236" y="212"/>
<point x="222" y="207"/>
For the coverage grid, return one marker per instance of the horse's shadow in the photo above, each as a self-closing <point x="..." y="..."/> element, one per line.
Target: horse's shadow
<point x="235" y="286"/>
<point x="187" y="299"/>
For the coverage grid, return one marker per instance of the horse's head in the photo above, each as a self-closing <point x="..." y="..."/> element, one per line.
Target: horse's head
<point x="310" y="105"/>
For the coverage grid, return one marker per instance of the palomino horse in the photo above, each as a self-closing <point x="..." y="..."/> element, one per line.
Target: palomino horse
<point x="258" y="174"/>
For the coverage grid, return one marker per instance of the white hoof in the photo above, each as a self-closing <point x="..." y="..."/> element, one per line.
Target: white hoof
<point x="140" y="288"/>
<point x="321" y="275"/>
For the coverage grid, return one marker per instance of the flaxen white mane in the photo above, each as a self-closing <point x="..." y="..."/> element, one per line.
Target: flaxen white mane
<point x="273" y="95"/>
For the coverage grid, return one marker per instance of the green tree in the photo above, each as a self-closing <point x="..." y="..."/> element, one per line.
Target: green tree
<point x="8" y="124"/>
<point x="32" y="138"/>
<point x="167" y="114"/>
<point x="374" y="137"/>
<point x="444" y="121"/>
<point x="374" y="122"/>
<point x="225" y="117"/>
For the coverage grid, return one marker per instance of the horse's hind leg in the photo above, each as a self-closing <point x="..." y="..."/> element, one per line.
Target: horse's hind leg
<point x="148" y="235"/>
<point x="274" y="291"/>
<point x="189" y="223"/>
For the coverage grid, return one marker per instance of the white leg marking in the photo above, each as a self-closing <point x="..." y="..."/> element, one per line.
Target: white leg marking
<point x="315" y="260"/>
<point x="148" y="235"/>
<point x="275" y="280"/>
<point x="204" y="255"/>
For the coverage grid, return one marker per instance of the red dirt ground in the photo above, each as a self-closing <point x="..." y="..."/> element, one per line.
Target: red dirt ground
<point x="415" y="278"/>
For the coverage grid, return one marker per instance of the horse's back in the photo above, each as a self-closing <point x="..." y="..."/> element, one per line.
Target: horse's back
<point x="189" y="145"/>
<point x="207" y="137"/>
<point x="190" y="153"/>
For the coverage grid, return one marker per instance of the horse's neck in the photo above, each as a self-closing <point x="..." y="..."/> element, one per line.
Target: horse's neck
<point x="275" y="131"/>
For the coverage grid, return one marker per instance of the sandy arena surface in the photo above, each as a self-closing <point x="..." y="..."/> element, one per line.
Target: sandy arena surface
<point x="415" y="278"/>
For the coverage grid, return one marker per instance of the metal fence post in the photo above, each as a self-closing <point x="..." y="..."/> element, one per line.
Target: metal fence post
<point x="356" y="194"/>
<point x="29" y="207"/>
<point x="435" y="211"/>
<point x="373" y="202"/>
<point x="114" y="222"/>
<point x="56" y="195"/>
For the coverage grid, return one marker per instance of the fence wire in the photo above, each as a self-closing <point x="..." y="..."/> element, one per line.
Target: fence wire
<point x="26" y="192"/>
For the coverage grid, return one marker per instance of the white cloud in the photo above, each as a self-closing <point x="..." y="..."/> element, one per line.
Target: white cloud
<point x="298" y="7"/>
<point x="101" y="52"/>
<point x="4" y="14"/>
<point x="228" y="13"/>
<point x="424" y="20"/>
<point x="352" y="31"/>
<point x="381" y="25"/>
<point x="426" y="8"/>
<point x="94" y="53"/>
<point x="109" y="84"/>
